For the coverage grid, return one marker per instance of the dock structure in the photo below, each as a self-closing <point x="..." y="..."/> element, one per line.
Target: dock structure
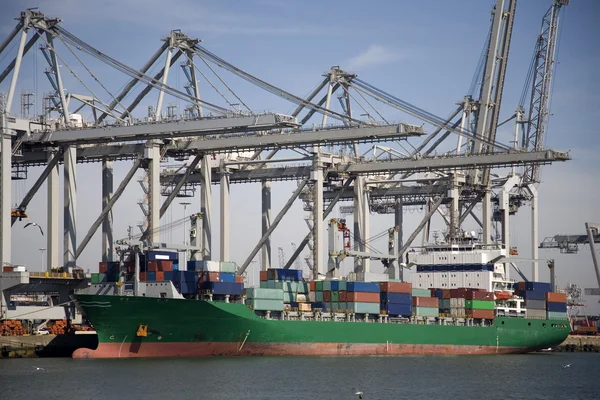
<point x="357" y="159"/>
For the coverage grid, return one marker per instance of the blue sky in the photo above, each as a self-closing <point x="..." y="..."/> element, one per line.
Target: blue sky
<point x="423" y="52"/>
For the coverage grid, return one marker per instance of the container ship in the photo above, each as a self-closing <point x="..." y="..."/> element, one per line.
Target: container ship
<point x="458" y="302"/>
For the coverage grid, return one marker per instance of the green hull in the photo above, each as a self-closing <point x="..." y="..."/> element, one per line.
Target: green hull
<point x="180" y="328"/>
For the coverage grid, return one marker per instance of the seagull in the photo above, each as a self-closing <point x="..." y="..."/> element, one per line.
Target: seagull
<point x="38" y="368"/>
<point x="34" y="224"/>
<point x="358" y="393"/>
<point x="566" y="366"/>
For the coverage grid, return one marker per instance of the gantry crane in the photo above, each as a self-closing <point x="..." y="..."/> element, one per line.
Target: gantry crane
<point x="569" y="244"/>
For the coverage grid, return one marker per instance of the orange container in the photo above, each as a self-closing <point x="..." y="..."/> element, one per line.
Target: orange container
<point x="264" y="276"/>
<point x="311" y="285"/>
<point x="342" y="296"/>
<point x="425" y="301"/>
<point x="239" y="279"/>
<point x="396" y="287"/>
<point x="209" y="277"/>
<point x="362" y="297"/>
<point x="160" y="276"/>
<point x="483" y="314"/>
<point x="556" y="297"/>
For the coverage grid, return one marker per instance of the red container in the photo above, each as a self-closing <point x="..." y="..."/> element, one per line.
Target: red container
<point x="103" y="267"/>
<point x="480" y="314"/>
<point x="160" y="265"/>
<point x="7" y="269"/>
<point x="480" y="296"/>
<point x="327" y="296"/>
<point x="239" y="279"/>
<point x="362" y="297"/>
<point x="342" y="296"/>
<point x="396" y="287"/>
<point x="556" y="297"/>
<point x="264" y="275"/>
<point x="209" y="277"/>
<point x="418" y="301"/>
<point x="311" y="286"/>
<point x="446" y="294"/>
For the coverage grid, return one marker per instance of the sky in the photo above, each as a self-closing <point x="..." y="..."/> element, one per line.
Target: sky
<point x="423" y="52"/>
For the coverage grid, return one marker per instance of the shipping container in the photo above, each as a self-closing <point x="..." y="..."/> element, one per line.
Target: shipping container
<point x="396" y="287"/>
<point x="363" y="308"/>
<point x="426" y="311"/>
<point x="479" y="295"/>
<point x="265" y="305"/>
<point x="535" y="304"/>
<point x="226" y="277"/>
<point x="418" y="301"/>
<point x="395" y="309"/>
<point x="319" y="286"/>
<point x="319" y="297"/>
<point x="556" y="307"/>
<point x="538" y="287"/>
<point x="362" y="297"/>
<point x="556" y="297"/>
<point x="371" y="287"/>
<point x="223" y="288"/>
<point x="312" y="297"/>
<point x="311" y="286"/>
<point x="264" y="294"/>
<point x="535" y="313"/>
<point x="263" y="275"/>
<point x="457" y="302"/>
<point x="318" y="305"/>
<point x="556" y="315"/>
<point x="239" y="279"/>
<point x="395" y="298"/>
<point x="227" y="266"/>
<point x="480" y="314"/>
<point x="445" y="304"/>
<point x="534" y="295"/>
<point x="169" y="275"/>
<point x="334" y="297"/>
<point x="327" y="286"/>
<point x="479" y="304"/>
<point x="420" y="292"/>
<point x="302" y="298"/>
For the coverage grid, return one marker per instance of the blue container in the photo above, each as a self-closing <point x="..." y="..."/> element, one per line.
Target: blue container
<point x="175" y="267"/>
<point x="369" y="287"/>
<point x="185" y="287"/>
<point x="319" y="304"/>
<point x="193" y="265"/>
<point x="170" y="275"/>
<point x="335" y="286"/>
<point x="538" y="287"/>
<point x="231" y="288"/>
<point x="438" y="293"/>
<point x="398" y="309"/>
<point x="152" y="276"/>
<point x="288" y="274"/>
<point x="396" y="298"/>
<point x="534" y="295"/>
<point x="556" y="307"/>
<point x="227" y="277"/>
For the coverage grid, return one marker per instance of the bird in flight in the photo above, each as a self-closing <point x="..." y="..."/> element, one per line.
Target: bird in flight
<point x="38" y="368"/>
<point x="34" y="224"/>
<point x="566" y="366"/>
<point x="358" y="393"/>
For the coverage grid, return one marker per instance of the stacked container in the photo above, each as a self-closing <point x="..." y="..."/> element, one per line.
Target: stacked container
<point x="108" y="272"/>
<point x="396" y="298"/>
<point x="556" y="305"/>
<point x="362" y="297"/>
<point x="329" y="296"/>
<point x="184" y="281"/>
<point x="423" y="304"/>
<point x="534" y="294"/>
<point x="261" y="299"/>
<point x="443" y="296"/>
<point x="154" y="270"/>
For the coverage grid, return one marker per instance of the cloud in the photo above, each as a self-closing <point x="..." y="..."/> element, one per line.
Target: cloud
<point x="374" y="55"/>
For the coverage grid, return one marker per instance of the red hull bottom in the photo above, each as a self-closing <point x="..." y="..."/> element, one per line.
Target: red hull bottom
<point x="139" y="350"/>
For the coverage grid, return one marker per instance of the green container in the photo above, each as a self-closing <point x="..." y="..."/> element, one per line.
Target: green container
<point x="363" y="308"/>
<point x="426" y="311"/>
<point x="326" y="286"/>
<point x="264" y="284"/>
<point x="343" y="306"/>
<point x="264" y="294"/>
<point x="479" y="304"/>
<point x="445" y="304"/>
<point x="290" y="286"/>
<point x="421" y="293"/>
<point x="335" y="296"/>
<point x="303" y="287"/>
<point x="332" y="307"/>
<point x="227" y="266"/>
<point x="556" y="315"/>
<point x="98" y="277"/>
<point x="319" y="287"/>
<point x="318" y="296"/>
<point x="289" y="297"/>
<point x="342" y="285"/>
<point x="275" y="285"/>
<point x="265" y="305"/>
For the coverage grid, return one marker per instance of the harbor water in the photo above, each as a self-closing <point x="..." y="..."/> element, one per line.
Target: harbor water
<point x="531" y="376"/>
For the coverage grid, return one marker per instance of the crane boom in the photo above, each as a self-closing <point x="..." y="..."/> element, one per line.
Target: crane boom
<point x="539" y="105"/>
